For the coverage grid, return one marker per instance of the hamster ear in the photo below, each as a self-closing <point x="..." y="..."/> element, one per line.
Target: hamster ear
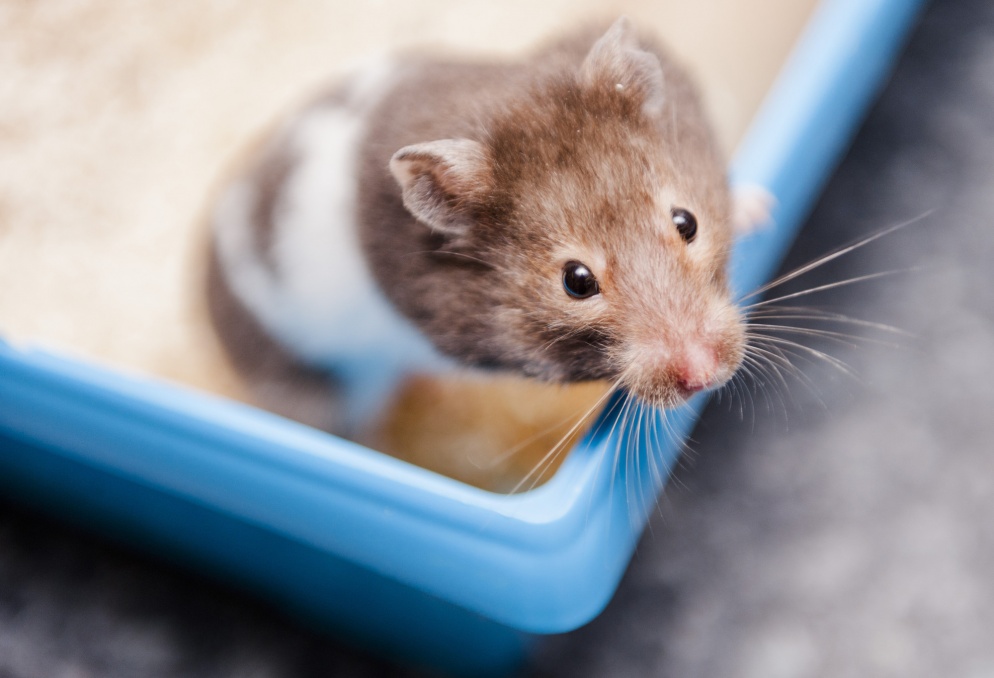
<point x="441" y="181"/>
<point x="616" y="60"/>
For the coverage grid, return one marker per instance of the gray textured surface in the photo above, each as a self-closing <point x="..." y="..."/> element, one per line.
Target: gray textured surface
<point x="848" y="531"/>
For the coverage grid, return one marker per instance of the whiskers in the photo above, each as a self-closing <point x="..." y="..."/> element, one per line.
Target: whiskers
<point x="637" y="444"/>
<point x="780" y="335"/>
<point x="643" y="443"/>
<point x="826" y="258"/>
<point x="539" y="469"/>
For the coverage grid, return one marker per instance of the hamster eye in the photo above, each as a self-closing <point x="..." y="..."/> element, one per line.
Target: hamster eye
<point x="578" y="280"/>
<point x="685" y="222"/>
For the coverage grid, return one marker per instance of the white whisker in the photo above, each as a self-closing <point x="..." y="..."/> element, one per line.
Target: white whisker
<point x="551" y="455"/>
<point x="824" y="288"/>
<point x="831" y="256"/>
<point x="821" y="355"/>
<point x="820" y="315"/>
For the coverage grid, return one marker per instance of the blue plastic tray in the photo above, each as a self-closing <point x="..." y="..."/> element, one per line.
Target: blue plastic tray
<point x="392" y="556"/>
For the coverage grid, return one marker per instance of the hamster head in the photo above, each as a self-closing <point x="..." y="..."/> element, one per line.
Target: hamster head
<point x="599" y="206"/>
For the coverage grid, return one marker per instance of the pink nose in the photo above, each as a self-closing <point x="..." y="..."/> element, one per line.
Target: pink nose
<point x="692" y="385"/>
<point x="695" y="370"/>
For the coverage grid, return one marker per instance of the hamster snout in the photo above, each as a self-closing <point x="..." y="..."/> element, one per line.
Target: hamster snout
<point x="667" y="370"/>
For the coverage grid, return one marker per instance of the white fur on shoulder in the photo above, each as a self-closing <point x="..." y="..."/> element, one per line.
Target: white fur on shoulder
<point x="316" y="295"/>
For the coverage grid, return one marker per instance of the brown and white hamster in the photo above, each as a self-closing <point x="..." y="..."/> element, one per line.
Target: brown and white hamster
<point x="565" y="217"/>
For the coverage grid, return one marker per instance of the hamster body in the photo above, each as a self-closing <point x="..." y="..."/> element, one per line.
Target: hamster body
<point x="565" y="217"/>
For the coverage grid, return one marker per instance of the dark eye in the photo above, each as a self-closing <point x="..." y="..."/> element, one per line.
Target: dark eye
<point x="578" y="281"/>
<point x="685" y="222"/>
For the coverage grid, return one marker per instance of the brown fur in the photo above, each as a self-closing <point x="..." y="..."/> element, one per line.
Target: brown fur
<point x="574" y="166"/>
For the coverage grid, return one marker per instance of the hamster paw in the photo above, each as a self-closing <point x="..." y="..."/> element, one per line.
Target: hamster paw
<point x="751" y="208"/>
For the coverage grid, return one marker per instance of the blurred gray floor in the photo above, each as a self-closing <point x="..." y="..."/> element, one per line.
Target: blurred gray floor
<point x="841" y="529"/>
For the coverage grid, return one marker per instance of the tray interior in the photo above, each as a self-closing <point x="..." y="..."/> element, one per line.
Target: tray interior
<point x="121" y="120"/>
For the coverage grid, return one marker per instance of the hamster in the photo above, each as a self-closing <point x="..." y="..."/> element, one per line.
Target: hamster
<point x="565" y="217"/>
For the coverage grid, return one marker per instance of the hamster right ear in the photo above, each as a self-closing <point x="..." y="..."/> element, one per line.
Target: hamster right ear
<point x="618" y="61"/>
<point x="441" y="181"/>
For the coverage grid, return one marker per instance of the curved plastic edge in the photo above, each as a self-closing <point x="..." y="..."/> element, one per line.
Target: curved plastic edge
<point x="546" y="561"/>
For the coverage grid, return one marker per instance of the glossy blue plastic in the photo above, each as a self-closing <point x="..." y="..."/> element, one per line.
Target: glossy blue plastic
<point x="394" y="557"/>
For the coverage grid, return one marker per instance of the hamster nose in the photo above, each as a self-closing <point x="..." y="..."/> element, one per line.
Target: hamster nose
<point x="695" y="370"/>
<point x="689" y="386"/>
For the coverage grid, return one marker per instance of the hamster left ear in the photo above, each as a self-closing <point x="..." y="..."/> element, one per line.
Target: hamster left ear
<point x="618" y="61"/>
<point x="441" y="181"/>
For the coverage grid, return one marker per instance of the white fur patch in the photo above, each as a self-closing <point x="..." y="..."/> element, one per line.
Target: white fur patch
<point x="321" y="301"/>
